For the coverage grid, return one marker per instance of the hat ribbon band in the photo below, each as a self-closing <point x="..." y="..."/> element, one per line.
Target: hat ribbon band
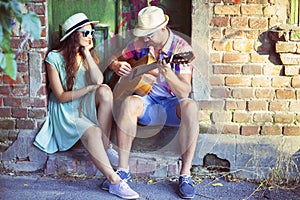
<point x="77" y="25"/>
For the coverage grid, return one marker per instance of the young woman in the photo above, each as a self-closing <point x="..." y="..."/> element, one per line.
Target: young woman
<point x="80" y="106"/>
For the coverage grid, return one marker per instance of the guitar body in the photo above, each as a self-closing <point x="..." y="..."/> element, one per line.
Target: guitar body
<point x="140" y="85"/>
<point x="142" y="78"/>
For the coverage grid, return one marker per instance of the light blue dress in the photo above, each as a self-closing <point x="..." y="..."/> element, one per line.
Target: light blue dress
<point x="66" y="122"/>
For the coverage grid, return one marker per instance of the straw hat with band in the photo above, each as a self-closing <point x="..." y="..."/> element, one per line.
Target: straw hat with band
<point x="74" y="22"/>
<point x="150" y="19"/>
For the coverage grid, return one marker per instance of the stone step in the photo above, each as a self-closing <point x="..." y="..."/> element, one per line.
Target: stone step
<point x="78" y="163"/>
<point x="153" y="155"/>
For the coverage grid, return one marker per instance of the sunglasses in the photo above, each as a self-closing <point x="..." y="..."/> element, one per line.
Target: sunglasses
<point x="150" y="36"/>
<point x="85" y="33"/>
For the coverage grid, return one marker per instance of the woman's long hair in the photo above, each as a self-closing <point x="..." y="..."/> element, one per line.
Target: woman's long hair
<point x="69" y="48"/>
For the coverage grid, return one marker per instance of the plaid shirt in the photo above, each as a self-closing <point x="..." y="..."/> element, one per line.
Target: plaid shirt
<point x="174" y="45"/>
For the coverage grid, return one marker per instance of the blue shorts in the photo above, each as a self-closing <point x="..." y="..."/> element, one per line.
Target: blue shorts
<point x="159" y="111"/>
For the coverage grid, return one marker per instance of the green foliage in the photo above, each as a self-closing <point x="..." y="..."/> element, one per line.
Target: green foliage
<point x="10" y="10"/>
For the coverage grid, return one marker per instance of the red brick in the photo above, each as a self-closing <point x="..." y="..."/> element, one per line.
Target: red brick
<point x="231" y="129"/>
<point x="211" y="105"/>
<point x="239" y="22"/>
<point x="271" y="130"/>
<point x="273" y="70"/>
<point x="40" y="102"/>
<point x="25" y="124"/>
<point x="242" y="117"/>
<point x="8" y="124"/>
<point x="244" y="46"/>
<point x="252" y="10"/>
<point x="278" y="106"/>
<point x="285" y="94"/>
<point x="219" y="21"/>
<point x="227" y="10"/>
<point x="145" y="167"/>
<point x="259" y="58"/>
<point x="37" y="113"/>
<point x="222" y="46"/>
<point x="221" y="117"/>
<point x="280" y="82"/>
<point x="265" y="93"/>
<point x="292" y="71"/>
<point x="235" y="105"/>
<point x="237" y="81"/>
<point x="236" y="58"/>
<point x="291" y="130"/>
<point x="257" y="105"/>
<point x="19" y="112"/>
<point x="250" y="130"/>
<point x="257" y="1"/>
<point x="284" y="118"/>
<point x="285" y="47"/>
<point x="261" y="81"/>
<point x="262" y="117"/>
<point x="220" y="93"/>
<point x="295" y="106"/>
<point x="296" y="82"/>
<point x="9" y="101"/>
<point x="42" y="91"/>
<point x="252" y="69"/>
<point x="37" y="8"/>
<point x="258" y="23"/>
<point x="217" y="81"/>
<point x="38" y="44"/>
<point x="20" y="90"/>
<point x="227" y="69"/>
<point x="215" y="58"/>
<point x="5" y="112"/>
<point x="234" y="34"/>
<point x="4" y="90"/>
<point x="243" y="93"/>
<point x="215" y="33"/>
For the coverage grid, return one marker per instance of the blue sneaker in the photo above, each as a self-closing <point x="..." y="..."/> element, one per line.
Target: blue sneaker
<point x="125" y="176"/>
<point x="186" y="188"/>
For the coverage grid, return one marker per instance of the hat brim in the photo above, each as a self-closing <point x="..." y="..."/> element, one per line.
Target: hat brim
<point x="141" y="32"/>
<point x="70" y="32"/>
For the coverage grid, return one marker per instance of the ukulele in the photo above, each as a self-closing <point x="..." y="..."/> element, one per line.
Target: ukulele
<point x="139" y="81"/>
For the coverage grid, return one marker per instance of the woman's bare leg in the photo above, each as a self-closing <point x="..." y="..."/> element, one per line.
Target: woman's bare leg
<point x="104" y="105"/>
<point x="92" y="140"/>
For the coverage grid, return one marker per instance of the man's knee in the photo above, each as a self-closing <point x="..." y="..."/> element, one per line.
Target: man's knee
<point x="133" y="104"/>
<point x="189" y="105"/>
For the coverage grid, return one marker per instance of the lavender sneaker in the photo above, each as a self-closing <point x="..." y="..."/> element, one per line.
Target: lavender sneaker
<point x="123" y="190"/>
<point x="123" y="175"/>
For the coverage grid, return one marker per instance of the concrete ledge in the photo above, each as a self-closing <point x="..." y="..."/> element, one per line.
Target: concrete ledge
<point x="254" y="157"/>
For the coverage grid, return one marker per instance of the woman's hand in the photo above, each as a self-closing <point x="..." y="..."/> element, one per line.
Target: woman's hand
<point x="85" y="50"/>
<point x="91" y="87"/>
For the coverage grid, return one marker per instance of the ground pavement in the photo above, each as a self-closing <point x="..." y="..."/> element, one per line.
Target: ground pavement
<point x="39" y="187"/>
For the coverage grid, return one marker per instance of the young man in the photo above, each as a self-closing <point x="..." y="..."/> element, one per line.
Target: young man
<point x="171" y="91"/>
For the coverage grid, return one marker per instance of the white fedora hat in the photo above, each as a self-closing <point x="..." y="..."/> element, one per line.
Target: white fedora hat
<point x="150" y="19"/>
<point x="74" y="22"/>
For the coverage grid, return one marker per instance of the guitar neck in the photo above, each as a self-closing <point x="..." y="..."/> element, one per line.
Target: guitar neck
<point x="142" y="69"/>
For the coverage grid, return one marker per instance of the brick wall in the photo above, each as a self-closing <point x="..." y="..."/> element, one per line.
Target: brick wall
<point x="252" y="91"/>
<point x="23" y="101"/>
